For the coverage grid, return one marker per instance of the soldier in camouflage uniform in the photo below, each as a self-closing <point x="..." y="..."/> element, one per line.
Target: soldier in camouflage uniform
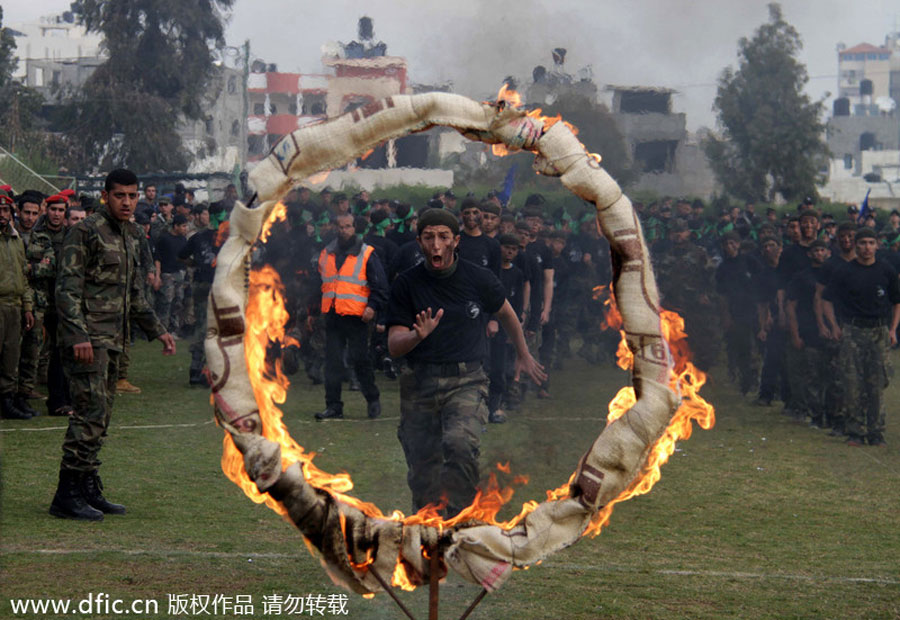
<point x="685" y="278"/>
<point x="97" y="292"/>
<point x="43" y="259"/>
<point x="868" y="292"/>
<point x="15" y="304"/>
<point x="437" y="318"/>
<point x="33" y="339"/>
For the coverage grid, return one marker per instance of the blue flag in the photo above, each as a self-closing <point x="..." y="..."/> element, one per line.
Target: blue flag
<point x="864" y="209"/>
<point x="508" y="183"/>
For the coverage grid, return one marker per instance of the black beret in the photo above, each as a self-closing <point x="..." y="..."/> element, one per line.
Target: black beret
<point x="438" y="217"/>
<point x="508" y="239"/>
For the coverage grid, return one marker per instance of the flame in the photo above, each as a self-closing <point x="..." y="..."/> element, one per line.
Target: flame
<point x="279" y="214"/>
<point x="265" y="319"/>
<point x="507" y="97"/>
<point x="684" y="378"/>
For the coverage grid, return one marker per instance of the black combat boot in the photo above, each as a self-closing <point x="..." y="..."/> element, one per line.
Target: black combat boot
<point x="21" y="403"/>
<point x="92" y="491"/>
<point x="68" y="503"/>
<point x="9" y="411"/>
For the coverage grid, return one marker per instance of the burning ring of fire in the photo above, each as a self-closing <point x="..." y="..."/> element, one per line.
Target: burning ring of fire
<point x="355" y="541"/>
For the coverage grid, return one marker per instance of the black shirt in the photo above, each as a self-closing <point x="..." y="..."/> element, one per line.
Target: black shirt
<point x="386" y="250"/>
<point x="794" y="259"/>
<point x="802" y="289"/>
<point x="468" y="297"/>
<point x="201" y="249"/>
<point x="168" y="246"/>
<point x="409" y="255"/>
<point x="864" y="291"/>
<point x="767" y="285"/>
<point x="514" y="286"/>
<point x="735" y="280"/>
<point x="482" y="250"/>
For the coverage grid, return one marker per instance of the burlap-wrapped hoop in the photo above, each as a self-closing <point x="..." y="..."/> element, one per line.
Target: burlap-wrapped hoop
<point x="354" y="544"/>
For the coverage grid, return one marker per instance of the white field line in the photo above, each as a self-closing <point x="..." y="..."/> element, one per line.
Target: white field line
<point x="172" y="553"/>
<point x="112" y="427"/>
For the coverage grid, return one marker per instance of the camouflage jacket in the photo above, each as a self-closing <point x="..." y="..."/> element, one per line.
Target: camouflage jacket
<point x="98" y="289"/>
<point x="684" y="274"/>
<point x="14" y="288"/>
<point x="42" y="255"/>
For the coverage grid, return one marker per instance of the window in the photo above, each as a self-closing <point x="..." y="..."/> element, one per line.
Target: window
<point x="259" y="109"/>
<point x="235" y="128"/>
<point x="232" y="85"/>
<point x="848" y="161"/>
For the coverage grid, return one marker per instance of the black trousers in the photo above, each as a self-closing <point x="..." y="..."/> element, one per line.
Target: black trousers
<point x="351" y="333"/>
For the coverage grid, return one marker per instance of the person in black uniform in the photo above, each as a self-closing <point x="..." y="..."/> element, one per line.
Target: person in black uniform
<point x="437" y="317"/>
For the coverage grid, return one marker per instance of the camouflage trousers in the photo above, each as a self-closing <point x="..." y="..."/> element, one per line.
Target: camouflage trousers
<point x="10" y="339"/>
<point x="30" y="354"/>
<point x="806" y="372"/>
<point x="92" y="388"/>
<point x="834" y="404"/>
<point x="863" y="359"/>
<point x="170" y="300"/>
<point x="198" y="352"/>
<point x="441" y="420"/>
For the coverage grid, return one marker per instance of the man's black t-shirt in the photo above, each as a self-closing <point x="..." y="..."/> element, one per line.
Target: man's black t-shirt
<point x="864" y="291"/>
<point x="767" y="285"/>
<point x="735" y="280"/>
<point x="409" y="255"/>
<point x="514" y="286"/>
<point x="802" y="289"/>
<point x="468" y="297"/>
<point x="385" y="249"/>
<point x="794" y="259"/>
<point x="482" y="250"/>
<point x="201" y="248"/>
<point x="168" y="246"/>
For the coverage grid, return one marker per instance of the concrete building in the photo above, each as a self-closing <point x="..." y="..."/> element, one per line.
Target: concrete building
<point x="671" y="161"/>
<point x="357" y="74"/>
<point x="863" y="133"/>
<point x="55" y="38"/>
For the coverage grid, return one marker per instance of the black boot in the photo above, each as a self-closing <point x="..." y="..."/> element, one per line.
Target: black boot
<point x="21" y="403"/>
<point x="92" y="490"/>
<point x="68" y="503"/>
<point x="9" y="411"/>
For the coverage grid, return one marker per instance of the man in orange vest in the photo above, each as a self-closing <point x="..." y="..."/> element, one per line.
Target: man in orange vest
<point x="354" y="290"/>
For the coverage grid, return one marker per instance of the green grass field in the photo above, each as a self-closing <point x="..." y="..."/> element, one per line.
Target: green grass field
<point x="757" y="518"/>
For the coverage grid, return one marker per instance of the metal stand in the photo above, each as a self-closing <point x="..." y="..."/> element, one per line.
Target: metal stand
<point x="433" y="590"/>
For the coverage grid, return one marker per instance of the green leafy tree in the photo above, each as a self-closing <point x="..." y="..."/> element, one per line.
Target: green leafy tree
<point x="772" y="138"/>
<point x="159" y="71"/>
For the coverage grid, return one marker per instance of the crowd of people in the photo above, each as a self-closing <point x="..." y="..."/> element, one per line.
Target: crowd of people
<point x="807" y="305"/>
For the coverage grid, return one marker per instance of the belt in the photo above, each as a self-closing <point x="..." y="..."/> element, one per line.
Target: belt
<point x="447" y="369"/>
<point x="863" y="322"/>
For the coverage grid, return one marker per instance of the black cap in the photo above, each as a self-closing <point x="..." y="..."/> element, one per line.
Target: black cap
<point x="438" y="217"/>
<point x="508" y="239"/>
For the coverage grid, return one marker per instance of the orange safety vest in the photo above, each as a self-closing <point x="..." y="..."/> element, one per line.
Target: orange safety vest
<point x="346" y="290"/>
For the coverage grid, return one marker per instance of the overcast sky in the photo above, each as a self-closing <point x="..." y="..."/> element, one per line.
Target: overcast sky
<point x="681" y="44"/>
